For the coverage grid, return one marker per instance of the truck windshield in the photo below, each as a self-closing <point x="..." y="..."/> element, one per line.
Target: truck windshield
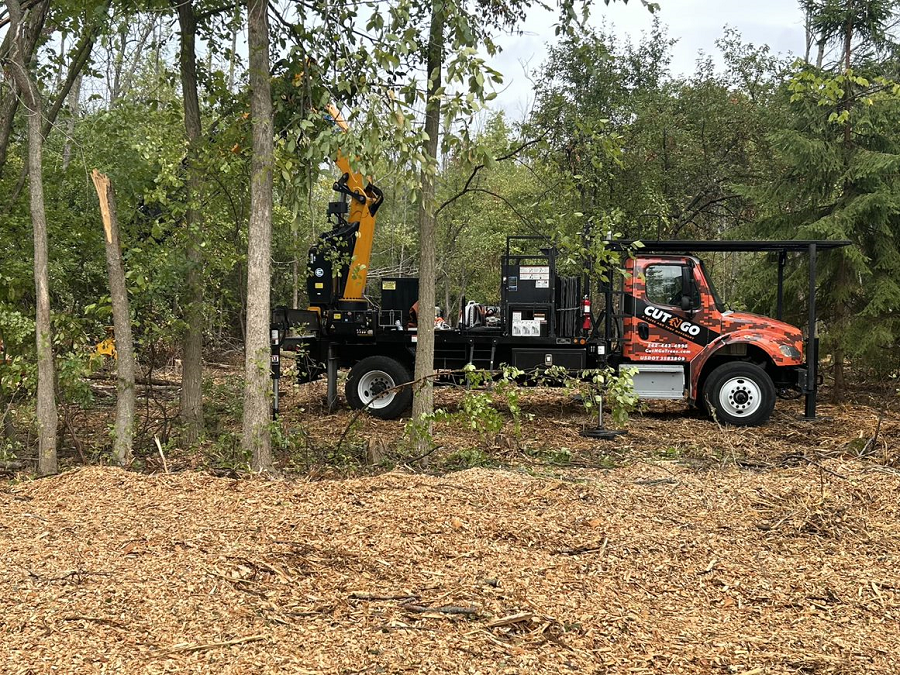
<point x="712" y="288"/>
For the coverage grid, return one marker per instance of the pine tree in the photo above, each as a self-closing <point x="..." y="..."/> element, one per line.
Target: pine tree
<point x="837" y="176"/>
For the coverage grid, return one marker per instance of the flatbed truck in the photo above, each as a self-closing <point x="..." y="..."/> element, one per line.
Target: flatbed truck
<point x="663" y="319"/>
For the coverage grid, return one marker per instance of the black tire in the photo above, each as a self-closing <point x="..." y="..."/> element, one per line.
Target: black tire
<point x="740" y="393"/>
<point x="370" y="377"/>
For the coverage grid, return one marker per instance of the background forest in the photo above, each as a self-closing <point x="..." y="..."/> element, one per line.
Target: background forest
<point x="157" y="96"/>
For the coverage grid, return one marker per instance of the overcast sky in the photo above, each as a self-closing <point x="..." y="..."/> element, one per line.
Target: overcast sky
<point x="696" y="24"/>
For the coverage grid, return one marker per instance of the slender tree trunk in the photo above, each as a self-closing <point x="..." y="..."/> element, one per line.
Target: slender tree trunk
<point x="448" y="316"/>
<point x="47" y="418"/>
<point x="256" y="365"/>
<point x="80" y="60"/>
<point x="848" y="37"/>
<point x="62" y="50"/>
<point x="192" y="358"/>
<point x="840" y="383"/>
<point x="117" y="65"/>
<point x="423" y="399"/>
<point x="842" y="310"/>
<point x="138" y="58"/>
<point x="74" y="111"/>
<point x="9" y="429"/>
<point x="295" y="267"/>
<point x="231" y="56"/>
<point x="125" y="395"/>
<point x="807" y="24"/>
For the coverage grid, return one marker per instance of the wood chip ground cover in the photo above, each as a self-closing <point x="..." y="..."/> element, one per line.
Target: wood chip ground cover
<point x="651" y="567"/>
<point x="552" y="422"/>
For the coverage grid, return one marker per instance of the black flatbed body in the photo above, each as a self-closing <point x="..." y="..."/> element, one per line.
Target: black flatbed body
<point x="484" y="348"/>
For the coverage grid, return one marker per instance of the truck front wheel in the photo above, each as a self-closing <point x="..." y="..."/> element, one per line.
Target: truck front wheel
<point x="741" y="394"/>
<point x="373" y="385"/>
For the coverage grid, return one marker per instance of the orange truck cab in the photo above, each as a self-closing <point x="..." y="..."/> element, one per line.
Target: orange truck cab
<point x="679" y="337"/>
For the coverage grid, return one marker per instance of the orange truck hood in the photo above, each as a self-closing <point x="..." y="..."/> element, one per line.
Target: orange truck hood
<point x="765" y="329"/>
<point x="745" y="320"/>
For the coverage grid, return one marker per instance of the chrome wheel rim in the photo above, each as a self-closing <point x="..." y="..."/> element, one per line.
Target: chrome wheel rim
<point x="740" y="397"/>
<point x="372" y="387"/>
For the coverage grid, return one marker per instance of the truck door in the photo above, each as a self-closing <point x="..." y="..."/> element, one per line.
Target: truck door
<point x="659" y="328"/>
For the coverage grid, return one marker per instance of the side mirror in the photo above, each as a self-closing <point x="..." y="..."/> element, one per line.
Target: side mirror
<point x="687" y="288"/>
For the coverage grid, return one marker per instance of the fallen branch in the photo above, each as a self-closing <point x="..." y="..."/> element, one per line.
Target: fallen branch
<point x="581" y="550"/>
<point x="509" y="620"/>
<point x="813" y="462"/>
<point x="446" y="609"/>
<point x="361" y="595"/>
<point x="413" y="460"/>
<point x="147" y="381"/>
<point x="243" y="585"/>
<point x="161" y="455"/>
<point x="69" y="574"/>
<point x="187" y="647"/>
<point x="656" y="481"/>
<point x="96" y="619"/>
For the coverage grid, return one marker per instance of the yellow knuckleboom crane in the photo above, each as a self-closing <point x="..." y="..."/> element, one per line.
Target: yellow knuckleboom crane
<point x="339" y="261"/>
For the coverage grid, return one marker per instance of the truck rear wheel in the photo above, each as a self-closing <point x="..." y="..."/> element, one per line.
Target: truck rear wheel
<point x="371" y="385"/>
<point x="741" y="394"/>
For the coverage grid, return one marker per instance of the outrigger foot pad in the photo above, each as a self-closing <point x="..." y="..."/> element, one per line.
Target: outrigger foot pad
<point x="603" y="434"/>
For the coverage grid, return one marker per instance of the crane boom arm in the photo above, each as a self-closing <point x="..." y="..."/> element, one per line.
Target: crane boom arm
<point x="365" y="198"/>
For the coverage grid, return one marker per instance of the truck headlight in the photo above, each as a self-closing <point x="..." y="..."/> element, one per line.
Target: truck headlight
<point x="790" y="351"/>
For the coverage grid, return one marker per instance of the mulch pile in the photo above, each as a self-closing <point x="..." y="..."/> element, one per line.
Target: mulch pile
<point x="648" y="568"/>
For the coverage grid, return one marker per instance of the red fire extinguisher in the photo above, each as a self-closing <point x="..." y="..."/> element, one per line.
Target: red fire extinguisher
<point x="586" y="310"/>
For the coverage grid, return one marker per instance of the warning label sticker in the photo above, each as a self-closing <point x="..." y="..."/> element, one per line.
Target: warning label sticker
<point x="535" y="274"/>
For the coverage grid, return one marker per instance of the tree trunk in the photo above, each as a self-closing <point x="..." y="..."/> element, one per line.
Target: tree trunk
<point x="423" y="399"/>
<point x="295" y="264"/>
<point x="840" y="384"/>
<point x="448" y="315"/>
<point x="256" y="357"/>
<point x="848" y="102"/>
<point x="842" y="310"/>
<point x="10" y="435"/>
<point x="231" y="55"/>
<point x="8" y="106"/>
<point x="116" y="63"/>
<point x="192" y="358"/>
<point x="74" y="110"/>
<point x="47" y="419"/>
<point x="80" y="60"/>
<point x="807" y="24"/>
<point x="125" y="396"/>
<point x="138" y="59"/>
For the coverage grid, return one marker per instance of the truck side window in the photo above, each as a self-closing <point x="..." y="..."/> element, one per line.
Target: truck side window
<point x="663" y="284"/>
